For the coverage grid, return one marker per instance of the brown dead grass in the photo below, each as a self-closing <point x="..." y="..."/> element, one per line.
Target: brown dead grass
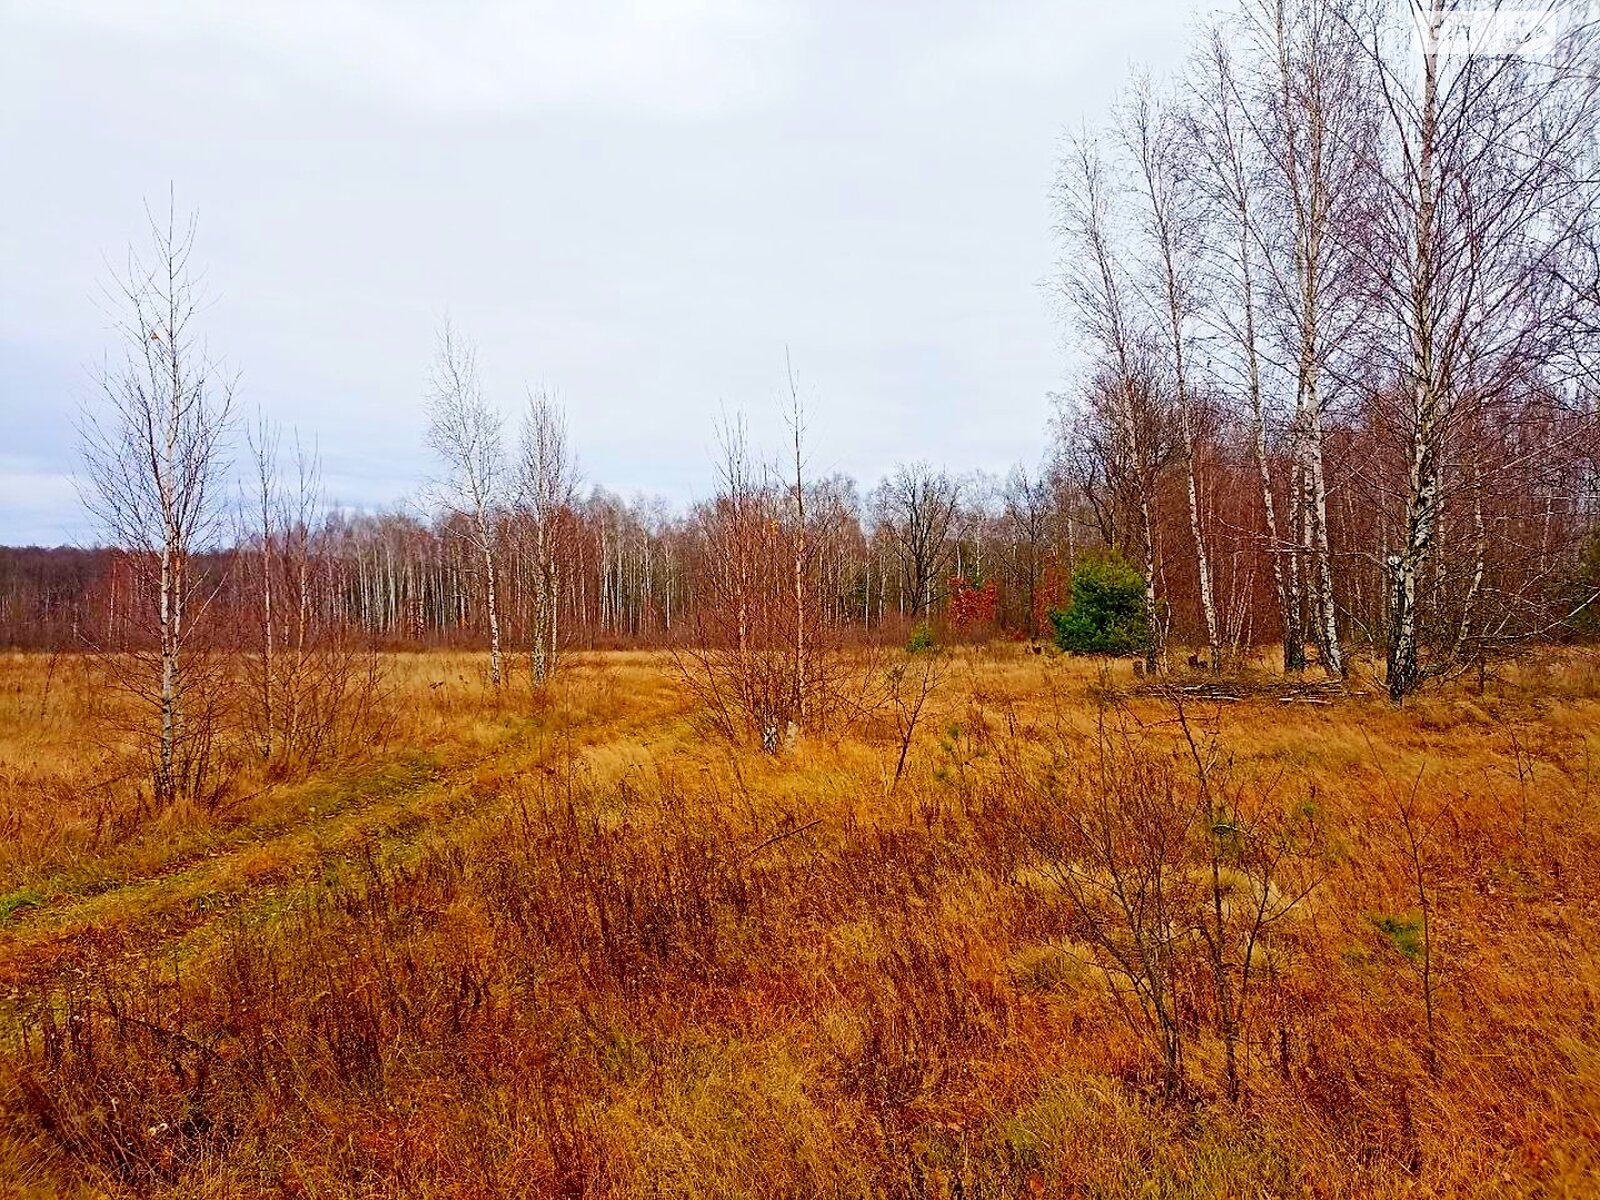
<point x="568" y="946"/>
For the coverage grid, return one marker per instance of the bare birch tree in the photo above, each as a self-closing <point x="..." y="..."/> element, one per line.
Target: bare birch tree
<point x="1171" y="227"/>
<point x="466" y="434"/>
<point x="155" y="455"/>
<point x="1231" y="162"/>
<point x="265" y="506"/>
<point x="1310" y="119"/>
<point x="1095" y="290"/>
<point x="315" y="688"/>
<point x="1481" y="200"/>
<point x="548" y="483"/>
<point x="738" y="658"/>
<point x="803" y="600"/>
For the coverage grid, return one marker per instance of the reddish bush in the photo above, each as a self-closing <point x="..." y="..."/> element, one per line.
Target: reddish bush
<point x="972" y="605"/>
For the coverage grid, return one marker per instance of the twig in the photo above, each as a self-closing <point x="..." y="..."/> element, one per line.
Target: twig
<point x="778" y="837"/>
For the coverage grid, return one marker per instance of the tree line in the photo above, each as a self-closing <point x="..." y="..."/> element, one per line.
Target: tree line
<point x="407" y="579"/>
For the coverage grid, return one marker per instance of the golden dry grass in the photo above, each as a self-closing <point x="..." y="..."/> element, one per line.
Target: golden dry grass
<point x="574" y="946"/>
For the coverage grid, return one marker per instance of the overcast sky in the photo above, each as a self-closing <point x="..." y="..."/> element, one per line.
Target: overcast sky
<point x="638" y="205"/>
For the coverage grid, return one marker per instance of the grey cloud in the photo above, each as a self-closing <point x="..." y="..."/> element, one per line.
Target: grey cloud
<point x="640" y="205"/>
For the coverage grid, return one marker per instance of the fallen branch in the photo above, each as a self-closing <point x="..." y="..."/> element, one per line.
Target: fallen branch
<point x="778" y="837"/>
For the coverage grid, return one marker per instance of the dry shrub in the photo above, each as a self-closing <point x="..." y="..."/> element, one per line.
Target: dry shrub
<point x="762" y="654"/>
<point x="315" y="705"/>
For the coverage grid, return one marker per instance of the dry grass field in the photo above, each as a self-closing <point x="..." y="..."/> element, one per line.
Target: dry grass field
<point x="576" y="946"/>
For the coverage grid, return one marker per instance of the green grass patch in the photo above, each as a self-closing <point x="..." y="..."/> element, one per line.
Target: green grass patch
<point x="14" y="902"/>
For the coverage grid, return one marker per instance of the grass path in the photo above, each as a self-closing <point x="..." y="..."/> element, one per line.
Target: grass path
<point x="178" y="903"/>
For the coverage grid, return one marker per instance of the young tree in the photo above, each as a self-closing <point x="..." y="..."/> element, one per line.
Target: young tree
<point x="762" y="654"/>
<point x="267" y="512"/>
<point x="740" y="661"/>
<point x="803" y="598"/>
<point x="1171" y="225"/>
<point x="1124" y="400"/>
<point x="155" y="454"/>
<point x="466" y="434"/>
<point x="548" y="487"/>
<point x="1311" y="121"/>
<point x="315" y="688"/>
<point x="1107" y="612"/>
<point x="1231" y="163"/>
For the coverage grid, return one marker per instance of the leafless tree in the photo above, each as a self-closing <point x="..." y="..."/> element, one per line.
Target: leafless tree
<point x="761" y="652"/>
<point x="908" y="686"/>
<point x="1481" y="198"/>
<point x="466" y="434"/>
<point x="1259" y="859"/>
<point x="547" y="485"/>
<point x="266" y="507"/>
<point x="1230" y="163"/>
<point x="315" y="686"/>
<point x="1121" y="850"/>
<point x="917" y="507"/>
<point x="1312" y="120"/>
<point x="1171" y="228"/>
<point x="1124" y="397"/>
<point x="1030" y="511"/>
<point x="804" y="600"/>
<point x="739" y="661"/>
<point x="155" y="453"/>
